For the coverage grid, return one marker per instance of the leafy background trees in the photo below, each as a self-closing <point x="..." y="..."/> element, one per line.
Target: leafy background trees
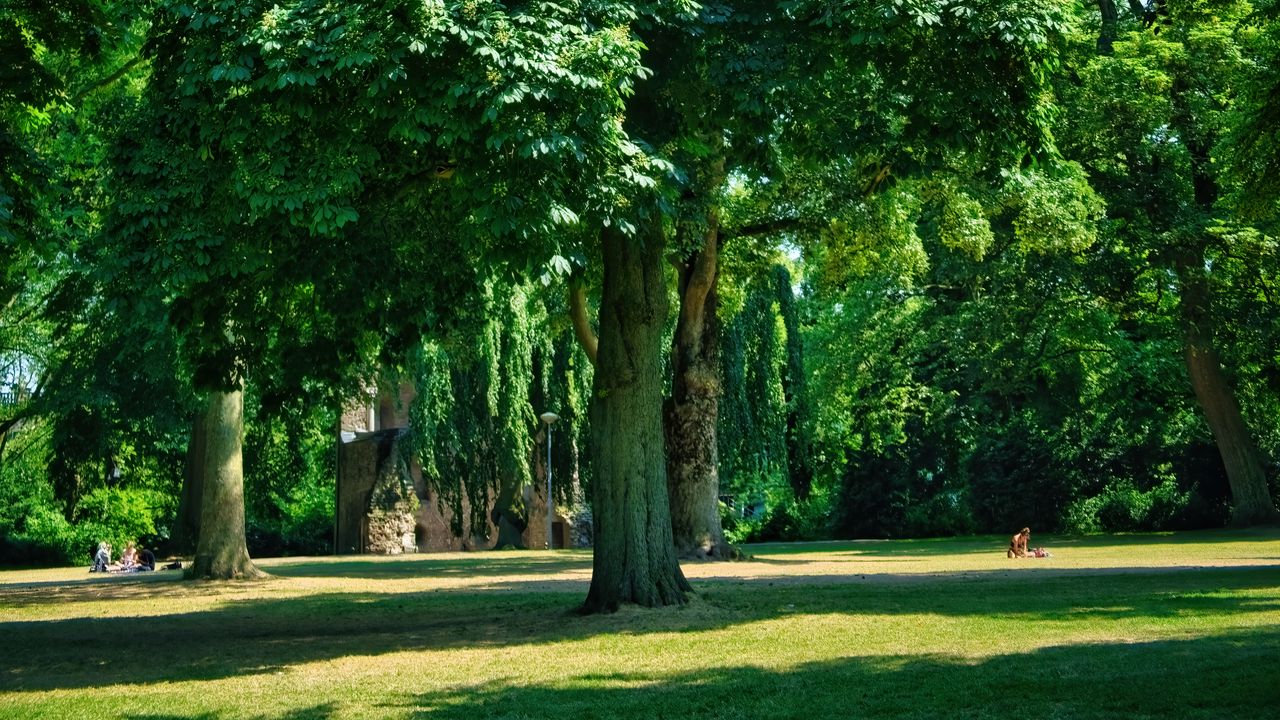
<point x="941" y="267"/>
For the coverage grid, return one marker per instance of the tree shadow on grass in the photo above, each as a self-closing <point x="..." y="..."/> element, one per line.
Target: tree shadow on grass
<point x="248" y="637"/>
<point x="315" y="712"/>
<point x="1223" y="676"/>
<point x="478" y="565"/>
<point x="161" y="584"/>
<point x="166" y="585"/>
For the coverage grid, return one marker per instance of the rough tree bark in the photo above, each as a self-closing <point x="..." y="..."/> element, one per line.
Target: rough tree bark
<point x="634" y="558"/>
<point x="186" y="527"/>
<point x="692" y="411"/>
<point x="509" y="515"/>
<point x="1251" y="502"/>
<point x="221" y="553"/>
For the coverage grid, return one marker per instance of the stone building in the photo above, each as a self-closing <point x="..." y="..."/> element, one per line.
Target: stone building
<point x="384" y="506"/>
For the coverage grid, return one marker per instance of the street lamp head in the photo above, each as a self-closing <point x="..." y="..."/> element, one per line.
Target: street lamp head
<point x="549" y="418"/>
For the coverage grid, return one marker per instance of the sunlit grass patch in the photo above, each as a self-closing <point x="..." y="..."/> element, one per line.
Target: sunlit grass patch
<point x="1111" y="627"/>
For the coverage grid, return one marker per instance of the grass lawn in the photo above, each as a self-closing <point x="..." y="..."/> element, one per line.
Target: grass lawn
<point x="1140" y="626"/>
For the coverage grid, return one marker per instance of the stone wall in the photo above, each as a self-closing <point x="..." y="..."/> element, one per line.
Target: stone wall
<point x="357" y="466"/>
<point x="384" y="505"/>
<point x="389" y="520"/>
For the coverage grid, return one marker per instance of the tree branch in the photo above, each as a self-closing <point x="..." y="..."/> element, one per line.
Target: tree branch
<point x="698" y="280"/>
<point x="580" y="319"/>
<point x="768" y="227"/>
<point x="103" y="82"/>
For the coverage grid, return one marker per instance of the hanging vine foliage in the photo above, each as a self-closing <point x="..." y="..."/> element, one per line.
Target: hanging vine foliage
<point x="795" y="389"/>
<point x="753" y="420"/>
<point x="474" y="424"/>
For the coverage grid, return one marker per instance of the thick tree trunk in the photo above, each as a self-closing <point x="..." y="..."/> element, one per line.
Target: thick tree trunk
<point x="221" y="553"/>
<point x="1251" y="502"/>
<point x="693" y="477"/>
<point x="634" y="557"/>
<point x="186" y="527"/>
<point x="1107" y="34"/>
<point x="509" y="515"/>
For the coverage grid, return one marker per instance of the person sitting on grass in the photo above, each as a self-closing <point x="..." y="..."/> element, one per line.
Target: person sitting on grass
<point x="129" y="558"/>
<point x="146" y="560"/>
<point x="1018" y="544"/>
<point x="102" y="558"/>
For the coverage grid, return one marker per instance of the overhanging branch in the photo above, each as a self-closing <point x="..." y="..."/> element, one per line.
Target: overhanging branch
<point x="103" y="82"/>
<point x="580" y="319"/>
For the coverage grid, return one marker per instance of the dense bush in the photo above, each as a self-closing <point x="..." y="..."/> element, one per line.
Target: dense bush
<point x="1123" y="507"/>
<point x="44" y="537"/>
<point x="122" y="515"/>
<point x="301" y="523"/>
<point x="33" y="530"/>
<point x="289" y="465"/>
<point x="784" y="517"/>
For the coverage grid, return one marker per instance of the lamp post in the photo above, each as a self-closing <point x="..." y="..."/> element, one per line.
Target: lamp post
<point x="550" y="419"/>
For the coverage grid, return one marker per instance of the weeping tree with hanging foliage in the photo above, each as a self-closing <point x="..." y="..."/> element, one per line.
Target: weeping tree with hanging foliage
<point x="474" y="422"/>
<point x="472" y="419"/>
<point x="753" y="435"/>
<point x="764" y="428"/>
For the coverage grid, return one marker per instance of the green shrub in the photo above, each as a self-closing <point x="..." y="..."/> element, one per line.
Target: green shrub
<point x="298" y="523"/>
<point x="44" y="537"/>
<point x="1123" y="507"/>
<point x="121" y="515"/>
<point x="784" y="518"/>
<point x="33" y="530"/>
<point x="943" y="515"/>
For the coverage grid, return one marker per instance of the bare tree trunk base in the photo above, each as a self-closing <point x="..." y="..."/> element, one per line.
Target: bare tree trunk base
<point x="205" y="568"/>
<point x="1254" y="517"/>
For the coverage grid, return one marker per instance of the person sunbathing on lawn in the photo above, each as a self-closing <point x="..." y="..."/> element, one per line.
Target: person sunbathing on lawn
<point x="1018" y="544"/>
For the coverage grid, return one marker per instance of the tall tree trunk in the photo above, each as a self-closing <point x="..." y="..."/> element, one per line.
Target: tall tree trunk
<point x="509" y="514"/>
<point x="1107" y="33"/>
<point x="1251" y="502"/>
<point x="634" y="557"/>
<point x="186" y="528"/>
<point x="221" y="553"/>
<point x="692" y="411"/>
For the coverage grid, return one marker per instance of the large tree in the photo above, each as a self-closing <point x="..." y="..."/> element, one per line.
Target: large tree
<point x="1156" y="118"/>
<point x="761" y="92"/>
<point x="285" y="151"/>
